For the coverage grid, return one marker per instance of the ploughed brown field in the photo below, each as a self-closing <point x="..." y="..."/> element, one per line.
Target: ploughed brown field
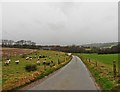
<point x="7" y="52"/>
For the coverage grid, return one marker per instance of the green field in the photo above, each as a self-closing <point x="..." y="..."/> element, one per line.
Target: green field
<point x="101" y="67"/>
<point x="15" y="75"/>
<point x="103" y="58"/>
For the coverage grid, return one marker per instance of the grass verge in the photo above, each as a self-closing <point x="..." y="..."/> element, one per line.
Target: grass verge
<point x="101" y="67"/>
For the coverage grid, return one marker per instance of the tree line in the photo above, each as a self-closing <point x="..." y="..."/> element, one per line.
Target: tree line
<point x="69" y="49"/>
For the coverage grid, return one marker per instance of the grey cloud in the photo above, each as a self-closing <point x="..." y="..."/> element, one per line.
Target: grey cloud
<point x="61" y="22"/>
<point x="57" y="26"/>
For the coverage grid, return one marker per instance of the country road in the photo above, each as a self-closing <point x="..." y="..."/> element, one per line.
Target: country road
<point x="73" y="76"/>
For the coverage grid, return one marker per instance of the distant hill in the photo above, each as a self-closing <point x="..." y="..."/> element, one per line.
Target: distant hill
<point x="101" y="45"/>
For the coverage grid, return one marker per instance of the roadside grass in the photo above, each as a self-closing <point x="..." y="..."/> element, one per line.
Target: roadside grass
<point x="103" y="58"/>
<point x="101" y="67"/>
<point x="15" y="76"/>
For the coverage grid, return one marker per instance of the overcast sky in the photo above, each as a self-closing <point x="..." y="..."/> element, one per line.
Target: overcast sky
<point x="63" y="23"/>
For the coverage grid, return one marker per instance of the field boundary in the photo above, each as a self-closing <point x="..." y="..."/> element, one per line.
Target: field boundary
<point x="101" y="72"/>
<point x="91" y="75"/>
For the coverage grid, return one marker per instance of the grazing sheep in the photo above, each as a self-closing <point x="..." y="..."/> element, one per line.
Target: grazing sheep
<point x="44" y="62"/>
<point x="51" y="61"/>
<point x="38" y="62"/>
<point x="48" y="63"/>
<point x="40" y="56"/>
<point x="7" y="62"/>
<point x="17" y="61"/>
<point x="27" y="58"/>
<point x="30" y="58"/>
<point x="43" y="56"/>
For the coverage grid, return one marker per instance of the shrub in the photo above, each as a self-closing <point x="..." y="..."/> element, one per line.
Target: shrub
<point x="31" y="67"/>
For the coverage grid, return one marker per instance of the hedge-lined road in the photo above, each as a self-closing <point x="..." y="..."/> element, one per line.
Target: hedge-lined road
<point x="73" y="76"/>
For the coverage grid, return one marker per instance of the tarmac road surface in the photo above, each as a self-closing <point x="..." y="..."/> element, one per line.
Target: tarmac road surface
<point x="73" y="76"/>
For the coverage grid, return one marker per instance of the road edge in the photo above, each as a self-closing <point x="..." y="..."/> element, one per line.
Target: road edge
<point x="92" y="77"/>
<point x="39" y="81"/>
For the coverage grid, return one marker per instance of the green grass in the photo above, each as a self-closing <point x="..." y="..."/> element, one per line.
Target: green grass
<point x="14" y="73"/>
<point x="13" y="68"/>
<point x="105" y="59"/>
<point x="103" y="72"/>
<point x="105" y="83"/>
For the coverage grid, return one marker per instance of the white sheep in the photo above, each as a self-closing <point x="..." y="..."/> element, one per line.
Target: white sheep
<point x="27" y="58"/>
<point x="7" y="62"/>
<point x="44" y="62"/>
<point x="30" y="58"/>
<point x="38" y="62"/>
<point x="17" y="61"/>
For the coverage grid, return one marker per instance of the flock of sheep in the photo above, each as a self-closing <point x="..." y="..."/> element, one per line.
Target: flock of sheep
<point x="7" y="62"/>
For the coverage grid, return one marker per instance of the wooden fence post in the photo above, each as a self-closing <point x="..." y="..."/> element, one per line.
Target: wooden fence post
<point x="44" y="66"/>
<point x="96" y="64"/>
<point x="114" y="69"/>
<point x="119" y="67"/>
<point x="89" y="60"/>
<point x="58" y="61"/>
<point x="44" y="63"/>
